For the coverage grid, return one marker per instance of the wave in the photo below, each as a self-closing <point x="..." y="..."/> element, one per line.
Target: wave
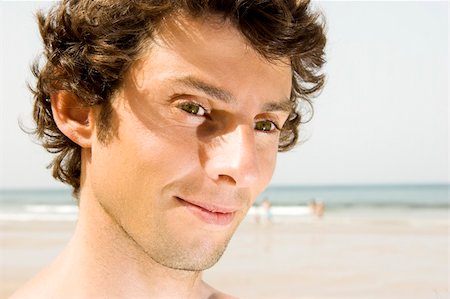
<point x="22" y="217"/>
<point x="39" y="213"/>
<point x="63" y="209"/>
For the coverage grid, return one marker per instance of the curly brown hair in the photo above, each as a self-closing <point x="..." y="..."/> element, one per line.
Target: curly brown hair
<point x="90" y="45"/>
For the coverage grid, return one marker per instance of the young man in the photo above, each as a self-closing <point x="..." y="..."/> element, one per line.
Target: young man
<point x="166" y="118"/>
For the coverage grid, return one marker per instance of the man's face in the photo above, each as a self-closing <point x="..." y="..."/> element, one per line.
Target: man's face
<point x="194" y="141"/>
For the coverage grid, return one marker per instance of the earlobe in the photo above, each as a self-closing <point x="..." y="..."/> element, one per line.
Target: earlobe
<point x="72" y="118"/>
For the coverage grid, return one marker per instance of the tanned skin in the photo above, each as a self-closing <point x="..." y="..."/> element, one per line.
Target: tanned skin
<point x="195" y="132"/>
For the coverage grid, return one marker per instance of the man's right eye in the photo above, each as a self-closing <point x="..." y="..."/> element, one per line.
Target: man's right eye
<point x="193" y="108"/>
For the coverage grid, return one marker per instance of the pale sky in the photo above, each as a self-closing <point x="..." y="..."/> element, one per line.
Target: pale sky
<point x="382" y="117"/>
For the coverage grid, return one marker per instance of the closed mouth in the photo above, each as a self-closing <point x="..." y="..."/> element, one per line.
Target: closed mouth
<point x="210" y="207"/>
<point x="209" y="213"/>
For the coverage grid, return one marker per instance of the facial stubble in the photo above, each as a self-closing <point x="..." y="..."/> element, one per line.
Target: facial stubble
<point x="197" y="254"/>
<point x="168" y="251"/>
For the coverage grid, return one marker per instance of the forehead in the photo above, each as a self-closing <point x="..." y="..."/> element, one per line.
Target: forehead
<point x="214" y="51"/>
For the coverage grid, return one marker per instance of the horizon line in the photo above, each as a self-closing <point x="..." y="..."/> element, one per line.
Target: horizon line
<point x="314" y="185"/>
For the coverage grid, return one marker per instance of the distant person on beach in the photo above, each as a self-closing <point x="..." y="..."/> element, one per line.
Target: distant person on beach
<point x="320" y="209"/>
<point x="317" y="208"/>
<point x="266" y="210"/>
<point x="312" y="206"/>
<point x="166" y="118"/>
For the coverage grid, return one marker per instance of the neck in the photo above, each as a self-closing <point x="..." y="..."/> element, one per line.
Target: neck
<point x="102" y="258"/>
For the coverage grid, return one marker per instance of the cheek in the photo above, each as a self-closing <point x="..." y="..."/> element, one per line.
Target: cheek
<point x="131" y="176"/>
<point x="269" y="167"/>
<point x="142" y="155"/>
<point x="267" y="162"/>
<point x="112" y="170"/>
<point x="158" y="154"/>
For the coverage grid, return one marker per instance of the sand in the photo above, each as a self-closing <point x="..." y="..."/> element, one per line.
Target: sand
<point x="340" y="256"/>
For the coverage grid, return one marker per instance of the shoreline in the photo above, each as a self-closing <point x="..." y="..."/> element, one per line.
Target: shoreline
<point x="340" y="256"/>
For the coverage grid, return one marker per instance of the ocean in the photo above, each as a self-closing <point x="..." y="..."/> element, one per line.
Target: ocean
<point x="371" y="242"/>
<point x="58" y="205"/>
<point x="348" y="196"/>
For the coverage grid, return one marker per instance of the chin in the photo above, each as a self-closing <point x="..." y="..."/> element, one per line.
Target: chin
<point x="193" y="258"/>
<point x="194" y="250"/>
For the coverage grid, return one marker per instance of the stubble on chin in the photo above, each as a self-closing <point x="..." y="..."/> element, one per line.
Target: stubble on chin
<point x="173" y="249"/>
<point x="192" y="255"/>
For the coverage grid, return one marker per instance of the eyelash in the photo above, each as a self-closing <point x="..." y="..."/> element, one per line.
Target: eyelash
<point x="206" y="113"/>
<point x="275" y="128"/>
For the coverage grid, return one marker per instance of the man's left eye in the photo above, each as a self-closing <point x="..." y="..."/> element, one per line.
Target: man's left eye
<point x="265" y="125"/>
<point x="193" y="108"/>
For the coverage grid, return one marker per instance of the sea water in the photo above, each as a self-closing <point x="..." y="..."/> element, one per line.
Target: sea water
<point x="37" y="205"/>
<point x="431" y="200"/>
<point x="348" y="196"/>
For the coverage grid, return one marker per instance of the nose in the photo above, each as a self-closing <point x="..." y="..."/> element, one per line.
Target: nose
<point x="232" y="158"/>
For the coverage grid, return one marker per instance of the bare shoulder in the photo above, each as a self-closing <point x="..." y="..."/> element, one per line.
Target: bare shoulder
<point x="28" y="291"/>
<point x="38" y="287"/>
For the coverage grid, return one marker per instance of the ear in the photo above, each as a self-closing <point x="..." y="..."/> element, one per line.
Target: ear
<point x="72" y="118"/>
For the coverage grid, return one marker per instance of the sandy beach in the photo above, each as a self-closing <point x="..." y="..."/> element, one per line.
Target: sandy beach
<point x="344" y="255"/>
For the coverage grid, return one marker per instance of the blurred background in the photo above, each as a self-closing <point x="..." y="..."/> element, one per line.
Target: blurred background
<point x="360" y="209"/>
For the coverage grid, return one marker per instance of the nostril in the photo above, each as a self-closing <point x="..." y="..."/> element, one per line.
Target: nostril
<point x="227" y="179"/>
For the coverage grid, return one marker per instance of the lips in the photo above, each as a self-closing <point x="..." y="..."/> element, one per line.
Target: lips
<point x="209" y="213"/>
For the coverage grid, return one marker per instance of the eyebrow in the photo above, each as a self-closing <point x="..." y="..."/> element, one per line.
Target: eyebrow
<point x="225" y="96"/>
<point x="210" y="90"/>
<point x="284" y="106"/>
